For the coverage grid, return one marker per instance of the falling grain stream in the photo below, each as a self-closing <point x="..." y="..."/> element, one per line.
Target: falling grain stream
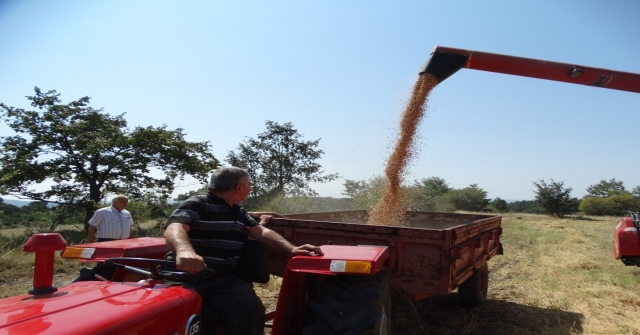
<point x="390" y="209"/>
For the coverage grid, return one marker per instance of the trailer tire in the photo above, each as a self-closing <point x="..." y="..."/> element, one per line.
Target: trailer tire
<point x="353" y="305"/>
<point x="473" y="291"/>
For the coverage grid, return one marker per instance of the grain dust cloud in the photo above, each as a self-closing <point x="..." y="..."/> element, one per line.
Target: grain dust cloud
<point x="390" y="210"/>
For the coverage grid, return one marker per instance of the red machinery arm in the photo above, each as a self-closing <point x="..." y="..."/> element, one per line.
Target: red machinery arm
<point x="445" y="61"/>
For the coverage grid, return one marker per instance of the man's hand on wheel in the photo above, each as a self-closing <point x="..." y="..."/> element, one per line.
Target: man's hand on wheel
<point x="189" y="261"/>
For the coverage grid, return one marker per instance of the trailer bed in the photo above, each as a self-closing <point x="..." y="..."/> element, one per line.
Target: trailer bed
<point x="432" y="254"/>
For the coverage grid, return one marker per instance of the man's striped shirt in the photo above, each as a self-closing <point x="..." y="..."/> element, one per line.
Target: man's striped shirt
<point x="217" y="231"/>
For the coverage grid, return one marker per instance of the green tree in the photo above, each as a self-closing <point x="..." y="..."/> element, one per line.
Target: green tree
<point x="87" y="153"/>
<point x="636" y="191"/>
<point x="375" y="189"/>
<point x="426" y="190"/>
<point x="500" y="205"/>
<point x="280" y="163"/>
<point x="554" y="198"/>
<point x="36" y="207"/>
<point x="472" y="198"/>
<point x="618" y="204"/>
<point x="606" y="188"/>
<point x="149" y="208"/>
<point x="65" y="214"/>
<point x="352" y="188"/>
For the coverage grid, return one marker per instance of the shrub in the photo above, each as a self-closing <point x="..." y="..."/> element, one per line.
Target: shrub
<point x="617" y="204"/>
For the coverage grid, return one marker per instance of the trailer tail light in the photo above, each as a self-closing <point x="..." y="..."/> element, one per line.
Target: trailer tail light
<point x="350" y="266"/>
<point x="341" y="259"/>
<point x="83" y="253"/>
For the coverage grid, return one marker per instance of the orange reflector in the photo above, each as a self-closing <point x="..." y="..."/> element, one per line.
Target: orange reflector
<point x="350" y="266"/>
<point x="84" y="253"/>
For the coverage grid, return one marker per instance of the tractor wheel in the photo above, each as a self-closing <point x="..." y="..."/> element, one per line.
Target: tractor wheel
<point x="473" y="291"/>
<point x="353" y="305"/>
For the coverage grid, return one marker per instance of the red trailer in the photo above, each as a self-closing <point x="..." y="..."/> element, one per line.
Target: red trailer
<point x="434" y="253"/>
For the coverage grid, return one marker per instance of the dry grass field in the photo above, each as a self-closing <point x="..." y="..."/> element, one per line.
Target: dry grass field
<point x="557" y="276"/>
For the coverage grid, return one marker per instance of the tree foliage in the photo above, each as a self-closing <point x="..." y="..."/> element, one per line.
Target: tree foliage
<point x="471" y="198"/>
<point x="606" y="188"/>
<point x="618" y="204"/>
<point x="85" y="153"/>
<point x="353" y="188"/>
<point x="499" y="205"/>
<point x="280" y="162"/>
<point x="39" y="216"/>
<point x="426" y="191"/>
<point x="150" y="208"/>
<point x="429" y="194"/>
<point x="554" y="198"/>
<point x="370" y="192"/>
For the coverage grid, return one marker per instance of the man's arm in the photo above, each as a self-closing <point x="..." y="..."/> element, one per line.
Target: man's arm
<point x="94" y="222"/>
<point x="275" y="241"/>
<point x="177" y="240"/>
<point x="272" y="214"/>
<point x="91" y="234"/>
<point x="130" y="225"/>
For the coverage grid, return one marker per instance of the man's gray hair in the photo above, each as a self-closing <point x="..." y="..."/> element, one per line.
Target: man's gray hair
<point x="226" y="178"/>
<point x="119" y="197"/>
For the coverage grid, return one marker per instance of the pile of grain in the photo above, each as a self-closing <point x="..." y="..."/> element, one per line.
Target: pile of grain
<point x="390" y="209"/>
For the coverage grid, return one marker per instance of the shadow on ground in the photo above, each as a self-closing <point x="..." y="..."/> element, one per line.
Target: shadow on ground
<point x="582" y="218"/>
<point x="443" y="315"/>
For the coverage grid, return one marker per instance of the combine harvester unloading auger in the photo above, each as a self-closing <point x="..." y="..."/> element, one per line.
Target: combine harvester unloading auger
<point x="445" y="61"/>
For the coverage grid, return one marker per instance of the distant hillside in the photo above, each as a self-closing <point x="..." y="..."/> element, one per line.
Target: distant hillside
<point x="18" y="203"/>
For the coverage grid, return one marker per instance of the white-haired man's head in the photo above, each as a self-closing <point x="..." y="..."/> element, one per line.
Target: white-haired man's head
<point x="232" y="183"/>
<point x="120" y="202"/>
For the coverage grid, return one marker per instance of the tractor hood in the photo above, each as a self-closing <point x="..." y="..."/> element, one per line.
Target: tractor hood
<point x="100" y="307"/>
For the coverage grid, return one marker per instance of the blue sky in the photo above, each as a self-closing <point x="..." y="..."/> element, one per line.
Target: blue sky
<point x="341" y="71"/>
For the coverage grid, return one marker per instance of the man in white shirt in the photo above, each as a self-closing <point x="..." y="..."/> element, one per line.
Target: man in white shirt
<point x="111" y="223"/>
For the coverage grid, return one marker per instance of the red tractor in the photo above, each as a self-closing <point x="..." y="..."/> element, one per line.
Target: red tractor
<point x="140" y="298"/>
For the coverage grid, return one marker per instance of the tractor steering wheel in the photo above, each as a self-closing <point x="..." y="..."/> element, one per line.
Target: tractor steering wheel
<point x="152" y="271"/>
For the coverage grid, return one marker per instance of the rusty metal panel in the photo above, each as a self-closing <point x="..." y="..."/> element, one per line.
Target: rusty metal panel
<point x="464" y="233"/>
<point x="472" y="254"/>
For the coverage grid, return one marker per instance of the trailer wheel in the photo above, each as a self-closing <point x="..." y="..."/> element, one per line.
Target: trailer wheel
<point x="353" y="305"/>
<point x="473" y="291"/>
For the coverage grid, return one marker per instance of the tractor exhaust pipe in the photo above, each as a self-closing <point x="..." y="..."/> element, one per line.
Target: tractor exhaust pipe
<point x="44" y="245"/>
<point x="445" y="61"/>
